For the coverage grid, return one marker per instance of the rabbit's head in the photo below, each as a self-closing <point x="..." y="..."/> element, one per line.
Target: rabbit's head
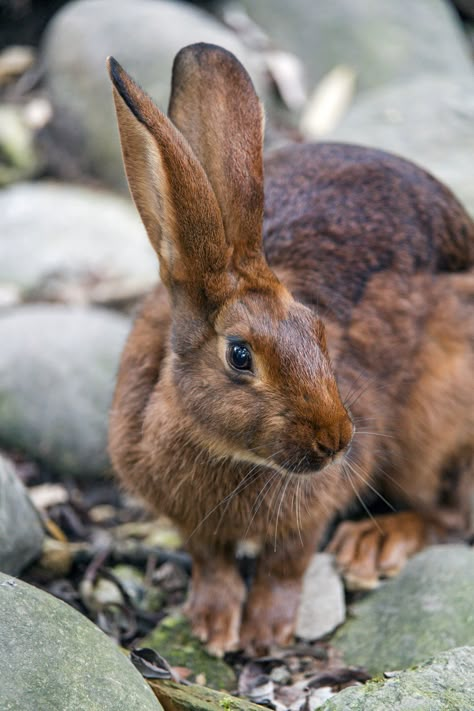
<point x="247" y="363"/>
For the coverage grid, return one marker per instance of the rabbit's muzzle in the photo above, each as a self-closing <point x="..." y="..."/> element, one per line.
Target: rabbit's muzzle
<point x="306" y="449"/>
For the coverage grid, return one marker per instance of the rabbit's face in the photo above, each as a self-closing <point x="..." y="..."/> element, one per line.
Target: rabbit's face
<point x="261" y="387"/>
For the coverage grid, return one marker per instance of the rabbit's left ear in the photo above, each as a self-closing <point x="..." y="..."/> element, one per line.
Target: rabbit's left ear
<point x="173" y="196"/>
<point x="214" y="105"/>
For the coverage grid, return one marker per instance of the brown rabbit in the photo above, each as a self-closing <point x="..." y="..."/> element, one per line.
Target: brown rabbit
<point x="238" y="412"/>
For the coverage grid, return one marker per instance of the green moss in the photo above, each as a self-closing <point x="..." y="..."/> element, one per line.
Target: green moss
<point x="174" y="641"/>
<point x="444" y="683"/>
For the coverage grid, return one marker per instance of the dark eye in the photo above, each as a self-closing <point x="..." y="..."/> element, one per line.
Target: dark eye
<point x="239" y="356"/>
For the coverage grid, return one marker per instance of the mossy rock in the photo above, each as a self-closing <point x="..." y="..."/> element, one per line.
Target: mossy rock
<point x="174" y="641"/>
<point x="52" y="658"/>
<point x="426" y="610"/>
<point x="21" y="531"/>
<point x="445" y="683"/>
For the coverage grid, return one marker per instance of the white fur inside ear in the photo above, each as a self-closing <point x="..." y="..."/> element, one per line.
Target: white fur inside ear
<point x="148" y="185"/>
<point x="164" y="213"/>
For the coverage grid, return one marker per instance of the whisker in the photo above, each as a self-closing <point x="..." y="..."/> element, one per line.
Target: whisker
<point x="360" y="476"/>
<point x="393" y="480"/>
<point x="246" y="481"/>
<point x="349" y="478"/>
<point x="353" y="387"/>
<point x="357" y="391"/>
<point x="375" y="434"/>
<point x="378" y="388"/>
<point x="234" y="494"/>
<point x="279" y="509"/>
<point x="260" y="499"/>
<point x="263" y="464"/>
<point x="298" y="511"/>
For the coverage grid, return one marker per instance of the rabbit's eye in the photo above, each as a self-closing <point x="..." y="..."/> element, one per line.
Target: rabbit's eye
<point x="239" y="356"/>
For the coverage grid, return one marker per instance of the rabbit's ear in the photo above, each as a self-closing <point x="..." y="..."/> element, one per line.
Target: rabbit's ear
<point x="214" y="105"/>
<point x="172" y="194"/>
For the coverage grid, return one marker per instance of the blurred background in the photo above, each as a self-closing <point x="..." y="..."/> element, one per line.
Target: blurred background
<point x="74" y="258"/>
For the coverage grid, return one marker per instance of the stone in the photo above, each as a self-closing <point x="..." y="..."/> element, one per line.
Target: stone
<point x="429" y="120"/>
<point x="144" y="36"/>
<point x="71" y="243"/>
<point x="21" y="532"/>
<point x="425" y="610"/>
<point x="174" y="641"/>
<point x="322" y="607"/>
<point x="383" y="41"/>
<point x="445" y="683"/>
<point x="57" y="371"/>
<point x="54" y="658"/>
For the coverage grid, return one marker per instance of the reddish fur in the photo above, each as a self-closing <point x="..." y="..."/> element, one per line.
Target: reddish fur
<point x="381" y="245"/>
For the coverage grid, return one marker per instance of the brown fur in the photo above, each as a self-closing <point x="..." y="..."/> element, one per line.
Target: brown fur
<point x="372" y="243"/>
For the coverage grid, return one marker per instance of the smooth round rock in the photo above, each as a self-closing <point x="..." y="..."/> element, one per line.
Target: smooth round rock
<point x="21" y="532"/>
<point x="445" y="683"/>
<point x="429" y="120"/>
<point x="52" y="658"/>
<point x="72" y="241"/>
<point x="57" y="371"/>
<point x="144" y="36"/>
<point x="427" y="609"/>
<point x="381" y="40"/>
<point x="322" y="607"/>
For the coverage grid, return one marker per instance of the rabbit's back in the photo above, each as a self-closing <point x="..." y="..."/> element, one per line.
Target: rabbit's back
<point x="337" y="214"/>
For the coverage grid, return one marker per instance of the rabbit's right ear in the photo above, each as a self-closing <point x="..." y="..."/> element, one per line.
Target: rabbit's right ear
<point x="172" y="194"/>
<point x="214" y="105"/>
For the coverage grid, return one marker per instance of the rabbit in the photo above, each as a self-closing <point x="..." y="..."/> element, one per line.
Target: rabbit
<point x="302" y="350"/>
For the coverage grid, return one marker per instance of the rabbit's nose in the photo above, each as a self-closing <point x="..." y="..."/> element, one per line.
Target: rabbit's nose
<point x="327" y="451"/>
<point x="334" y="440"/>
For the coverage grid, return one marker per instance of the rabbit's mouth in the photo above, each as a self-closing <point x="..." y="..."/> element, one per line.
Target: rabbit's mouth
<point x="298" y="462"/>
<point x="307" y="462"/>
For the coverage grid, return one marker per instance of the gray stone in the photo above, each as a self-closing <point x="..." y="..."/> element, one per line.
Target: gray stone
<point x="21" y="532"/>
<point x="426" y="610"/>
<point x="51" y="658"/>
<point x="382" y="40"/>
<point x="445" y="683"/>
<point x="322" y="606"/>
<point x="67" y="242"/>
<point x="429" y="120"/>
<point x="57" y="372"/>
<point x="144" y="36"/>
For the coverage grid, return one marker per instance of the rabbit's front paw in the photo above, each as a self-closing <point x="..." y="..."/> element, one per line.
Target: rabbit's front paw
<point x="270" y="615"/>
<point x="214" y="608"/>
<point x="379" y="547"/>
